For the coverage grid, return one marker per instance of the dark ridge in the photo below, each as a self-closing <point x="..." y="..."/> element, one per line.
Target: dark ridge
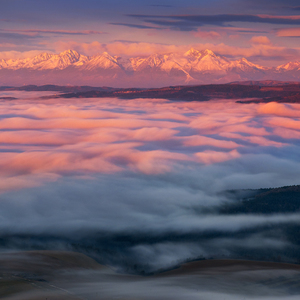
<point x="55" y="88"/>
<point x="288" y="93"/>
<point x="264" y="201"/>
<point x="265" y="82"/>
<point x="251" y="91"/>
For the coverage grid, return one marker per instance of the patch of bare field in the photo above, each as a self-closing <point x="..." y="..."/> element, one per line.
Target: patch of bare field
<point x="56" y="275"/>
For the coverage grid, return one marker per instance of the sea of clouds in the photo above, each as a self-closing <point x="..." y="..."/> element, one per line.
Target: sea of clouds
<point x="138" y="183"/>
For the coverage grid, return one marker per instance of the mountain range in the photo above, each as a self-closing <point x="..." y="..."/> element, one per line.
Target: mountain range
<point x="191" y="67"/>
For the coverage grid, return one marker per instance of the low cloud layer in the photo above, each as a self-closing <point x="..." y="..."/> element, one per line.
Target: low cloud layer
<point x="84" y="138"/>
<point x="140" y="182"/>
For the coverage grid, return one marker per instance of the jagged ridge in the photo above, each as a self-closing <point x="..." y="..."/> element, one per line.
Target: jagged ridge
<point x="174" y="68"/>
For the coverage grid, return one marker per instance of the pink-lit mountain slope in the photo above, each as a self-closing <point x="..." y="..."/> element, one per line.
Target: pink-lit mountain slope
<point x="192" y="67"/>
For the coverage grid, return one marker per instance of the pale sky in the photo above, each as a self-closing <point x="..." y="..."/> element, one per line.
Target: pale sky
<point x="265" y="32"/>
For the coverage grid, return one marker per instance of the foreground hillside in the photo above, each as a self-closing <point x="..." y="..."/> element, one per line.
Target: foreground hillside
<point x="59" y="275"/>
<point x="113" y="250"/>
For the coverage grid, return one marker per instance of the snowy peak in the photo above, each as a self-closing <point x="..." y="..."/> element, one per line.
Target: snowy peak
<point x="191" y="61"/>
<point x="192" y="53"/>
<point x="107" y="56"/>
<point x="291" y="66"/>
<point x="60" y="61"/>
<point x="44" y="61"/>
<point x="153" y="61"/>
<point x="70" y="55"/>
<point x="196" y="54"/>
<point x="193" y="65"/>
<point x="245" y="65"/>
<point x="63" y="59"/>
<point x="205" y="61"/>
<point x="42" y="57"/>
<point x="208" y="52"/>
<point x="102" y="61"/>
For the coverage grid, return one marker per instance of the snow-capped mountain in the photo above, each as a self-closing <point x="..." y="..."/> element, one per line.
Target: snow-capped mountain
<point x="193" y="66"/>
<point x="244" y="65"/>
<point x="45" y="61"/>
<point x="102" y="61"/>
<point x="202" y="61"/>
<point x="290" y="66"/>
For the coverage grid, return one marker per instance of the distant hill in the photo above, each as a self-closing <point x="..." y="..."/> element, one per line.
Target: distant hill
<point x="264" y="201"/>
<point x="55" y="88"/>
<point x="251" y="91"/>
<point x="286" y="92"/>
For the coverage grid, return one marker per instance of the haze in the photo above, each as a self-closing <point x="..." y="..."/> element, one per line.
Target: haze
<point x="143" y="166"/>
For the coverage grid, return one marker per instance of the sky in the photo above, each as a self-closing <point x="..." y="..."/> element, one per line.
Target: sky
<point x="265" y="32"/>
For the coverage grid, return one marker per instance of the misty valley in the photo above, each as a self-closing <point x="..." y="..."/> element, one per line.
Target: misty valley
<point x="113" y="193"/>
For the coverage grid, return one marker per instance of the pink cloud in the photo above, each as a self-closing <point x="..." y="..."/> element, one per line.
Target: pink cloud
<point x="287" y="133"/>
<point x="36" y="137"/>
<point x="261" y="40"/>
<point x="289" y="32"/>
<point x="76" y="123"/>
<point x="17" y="54"/>
<point x="290" y="17"/>
<point x="279" y="109"/>
<point x="259" y="140"/>
<point x="47" y="140"/>
<point x="244" y="128"/>
<point x="211" y="157"/>
<point x="152" y="162"/>
<point x="260" y="47"/>
<point x="24" y="181"/>
<point x="209" y="125"/>
<point x="152" y="134"/>
<point x="207" y="34"/>
<point x="203" y="140"/>
<point x="49" y="31"/>
<point x="284" y="122"/>
<point x="119" y="48"/>
<point x="234" y="36"/>
<point x="168" y="116"/>
<point x="55" y="162"/>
